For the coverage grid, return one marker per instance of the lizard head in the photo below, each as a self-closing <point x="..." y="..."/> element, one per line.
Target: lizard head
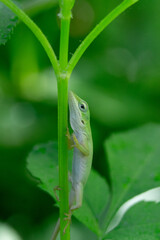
<point x="79" y="113"/>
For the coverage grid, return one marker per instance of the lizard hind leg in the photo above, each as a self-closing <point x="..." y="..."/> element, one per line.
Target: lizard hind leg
<point x="76" y="196"/>
<point x="78" y="190"/>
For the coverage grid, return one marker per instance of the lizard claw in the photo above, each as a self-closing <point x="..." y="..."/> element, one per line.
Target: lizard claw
<point x="75" y="141"/>
<point x="68" y="219"/>
<point x="70" y="141"/>
<point x="57" y="188"/>
<point x="68" y="134"/>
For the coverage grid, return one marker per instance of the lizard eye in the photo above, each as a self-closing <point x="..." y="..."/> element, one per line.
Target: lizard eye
<point x="82" y="107"/>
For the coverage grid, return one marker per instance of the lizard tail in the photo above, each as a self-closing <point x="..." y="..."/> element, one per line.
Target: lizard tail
<point x="56" y="230"/>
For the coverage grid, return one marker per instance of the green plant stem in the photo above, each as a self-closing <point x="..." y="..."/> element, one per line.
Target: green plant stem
<point x="62" y="126"/>
<point x="37" y="32"/>
<point x="64" y="43"/>
<point x="63" y="154"/>
<point x="63" y="70"/>
<point x="96" y="31"/>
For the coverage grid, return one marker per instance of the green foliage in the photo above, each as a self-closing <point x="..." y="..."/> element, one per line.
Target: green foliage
<point x="124" y="84"/>
<point x="42" y="162"/>
<point x="8" y="21"/>
<point x="142" y="222"/>
<point x="96" y="196"/>
<point x="132" y="155"/>
<point x="134" y="163"/>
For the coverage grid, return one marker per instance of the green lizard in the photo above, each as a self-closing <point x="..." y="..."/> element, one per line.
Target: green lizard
<point x="81" y="140"/>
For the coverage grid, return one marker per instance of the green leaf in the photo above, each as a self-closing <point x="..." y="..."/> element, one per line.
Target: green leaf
<point x="134" y="163"/>
<point x="142" y="222"/>
<point x="42" y="162"/>
<point x="96" y="195"/>
<point x="8" y="21"/>
<point x="152" y="195"/>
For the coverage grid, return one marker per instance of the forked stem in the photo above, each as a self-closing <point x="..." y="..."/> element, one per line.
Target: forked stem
<point x="63" y="70"/>
<point x="96" y="31"/>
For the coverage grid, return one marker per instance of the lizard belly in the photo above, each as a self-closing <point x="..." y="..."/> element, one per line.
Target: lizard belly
<point x="80" y="168"/>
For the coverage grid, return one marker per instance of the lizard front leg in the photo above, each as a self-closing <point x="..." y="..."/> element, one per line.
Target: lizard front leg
<point x="70" y="139"/>
<point x="79" y="146"/>
<point x="73" y="142"/>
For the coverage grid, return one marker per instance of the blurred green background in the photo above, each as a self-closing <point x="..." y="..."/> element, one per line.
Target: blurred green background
<point x="118" y="76"/>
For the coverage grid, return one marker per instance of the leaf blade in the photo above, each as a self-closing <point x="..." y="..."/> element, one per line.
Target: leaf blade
<point x="42" y="163"/>
<point x="134" y="164"/>
<point x="142" y="222"/>
<point x="8" y="21"/>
